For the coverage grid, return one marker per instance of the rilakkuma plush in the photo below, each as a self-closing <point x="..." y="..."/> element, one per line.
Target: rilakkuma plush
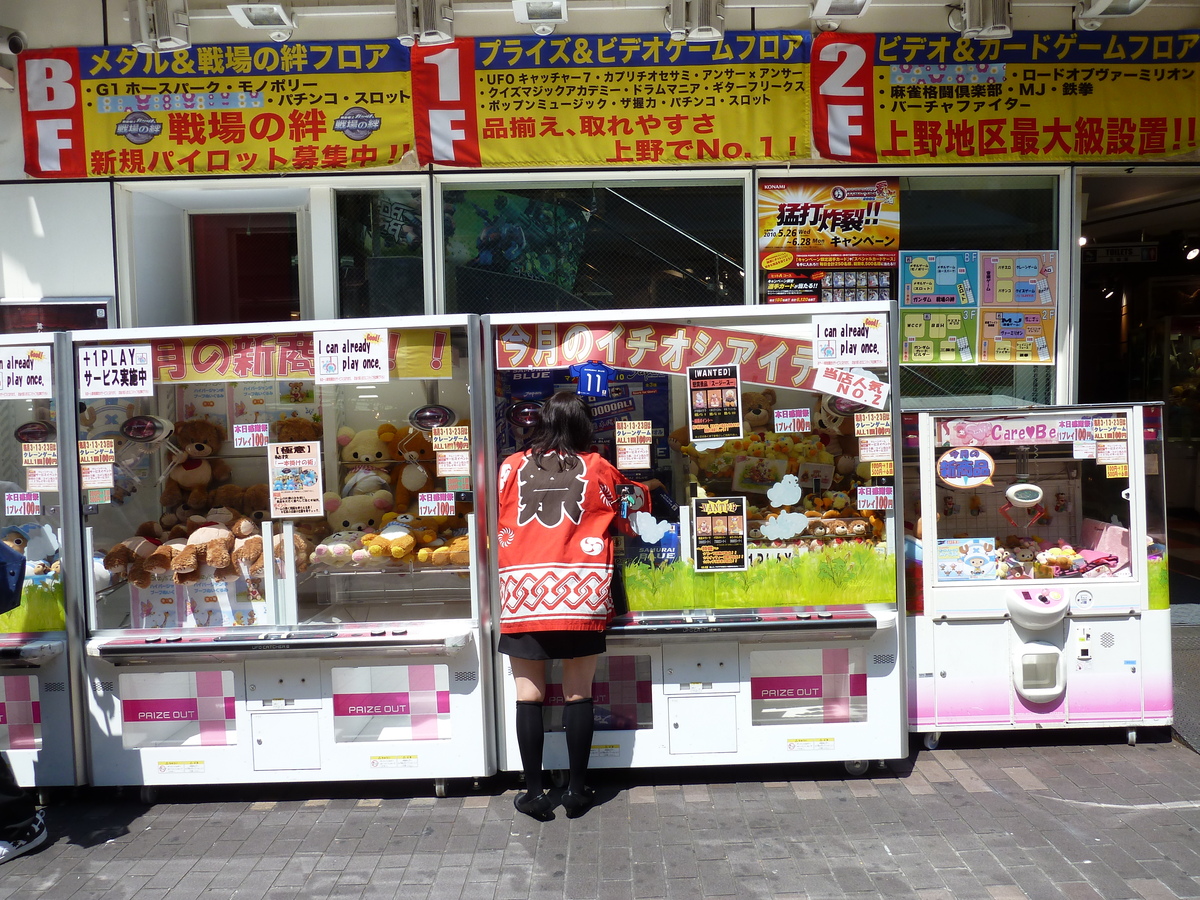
<point x="456" y="552"/>
<point x="758" y="410"/>
<point x="413" y="466"/>
<point x="395" y="541"/>
<point x="360" y="512"/>
<point x="211" y="543"/>
<point x="365" y="453"/>
<point x="337" y="550"/>
<point x="128" y="559"/>
<point x="296" y="428"/>
<point x="196" y="468"/>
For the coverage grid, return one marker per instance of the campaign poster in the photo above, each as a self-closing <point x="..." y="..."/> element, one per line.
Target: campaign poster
<point x="715" y="402"/>
<point x="719" y="534"/>
<point x="295" y="478"/>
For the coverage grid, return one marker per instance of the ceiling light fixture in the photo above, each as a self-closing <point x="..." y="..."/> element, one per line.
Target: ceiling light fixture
<point x="706" y="22"/>
<point x="675" y="20"/>
<point x="1083" y="240"/>
<point x="156" y="26"/>
<point x="982" y="19"/>
<point x="424" y="22"/>
<point x="542" y="15"/>
<point x="827" y="15"/>
<point x="1090" y="14"/>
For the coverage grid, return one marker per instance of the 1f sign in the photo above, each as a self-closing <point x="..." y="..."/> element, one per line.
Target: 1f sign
<point x="843" y="116"/>
<point x="444" y="90"/>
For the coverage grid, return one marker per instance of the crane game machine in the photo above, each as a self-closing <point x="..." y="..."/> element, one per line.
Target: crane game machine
<point x="289" y="525"/>
<point x="757" y="606"/>
<point x="1038" y="591"/>
<point x="40" y="631"/>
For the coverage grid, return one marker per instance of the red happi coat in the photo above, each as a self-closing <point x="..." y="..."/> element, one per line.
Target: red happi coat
<point x="556" y="550"/>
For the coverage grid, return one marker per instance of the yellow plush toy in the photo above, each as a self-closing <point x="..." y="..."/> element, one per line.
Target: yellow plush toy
<point x="456" y="552"/>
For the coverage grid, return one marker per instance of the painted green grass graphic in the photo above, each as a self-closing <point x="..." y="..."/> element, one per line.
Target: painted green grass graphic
<point x="843" y="575"/>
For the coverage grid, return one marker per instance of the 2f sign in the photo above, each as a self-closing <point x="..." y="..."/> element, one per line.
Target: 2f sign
<point x="444" y="94"/>
<point x="843" y="115"/>
<point x="51" y="117"/>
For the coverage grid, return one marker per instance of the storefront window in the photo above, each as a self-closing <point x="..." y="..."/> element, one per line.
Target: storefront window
<point x="380" y="243"/>
<point x="1009" y="223"/>
<point x="592" y="246"/>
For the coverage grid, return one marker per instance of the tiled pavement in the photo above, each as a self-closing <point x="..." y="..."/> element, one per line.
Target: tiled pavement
<point x="1038" y="815"/>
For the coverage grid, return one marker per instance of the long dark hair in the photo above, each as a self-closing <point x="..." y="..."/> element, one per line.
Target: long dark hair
<point x="565" y="428"/>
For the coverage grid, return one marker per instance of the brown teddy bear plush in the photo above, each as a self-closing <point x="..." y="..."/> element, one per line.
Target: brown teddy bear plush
<point x="210" y="544"/>
<point x="256" y="502"/>
<point x="758" y="410"/>
<point x="296" y="428"/>
<point x="196" y="469"/>
<point x="128" y="559"/>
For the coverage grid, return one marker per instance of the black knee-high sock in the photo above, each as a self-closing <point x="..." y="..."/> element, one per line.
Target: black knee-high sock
<point x="577" y="721"/>
<point x="530" y="739"/>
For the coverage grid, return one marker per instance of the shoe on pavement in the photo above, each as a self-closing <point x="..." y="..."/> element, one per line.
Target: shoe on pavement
<point x="31" y="837"/>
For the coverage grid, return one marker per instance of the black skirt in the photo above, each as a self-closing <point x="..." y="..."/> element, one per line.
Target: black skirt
<point x="552" y="644"/>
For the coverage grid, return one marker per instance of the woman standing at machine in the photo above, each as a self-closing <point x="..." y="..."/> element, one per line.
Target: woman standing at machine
<point x="558" y="503"/>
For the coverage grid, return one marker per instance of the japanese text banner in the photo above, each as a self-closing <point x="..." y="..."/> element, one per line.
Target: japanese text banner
<point x="634" y="99"/>
<point x="658" y="347"/>
<point x="215" y="109"/>
<point x="1035" y="97"/>
<point x="412" y="353"/>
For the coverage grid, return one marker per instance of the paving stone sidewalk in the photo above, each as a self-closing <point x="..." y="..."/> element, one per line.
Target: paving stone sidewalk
<point x="1037" y="815"/>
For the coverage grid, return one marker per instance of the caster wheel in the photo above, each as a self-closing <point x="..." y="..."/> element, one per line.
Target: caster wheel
<point x="439" y="787"/>
<point x="44" y="796"/>
<point x="148" y="794"/>
<point x="559" y="777"/>
<point x="932" y="739"/>
<point x="1131" y="737"/>
<point x="857" y="767"/>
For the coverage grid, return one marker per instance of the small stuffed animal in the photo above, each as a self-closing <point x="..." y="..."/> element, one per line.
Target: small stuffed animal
<point x="365" y="453"/>
<point x="360" y="512"/>
<point x="196" y="469"/>
<point x="413" y="467"/>
<point x="456" y="552"/>
<point x="337" y="550"/>
<point x="128" y="559"/>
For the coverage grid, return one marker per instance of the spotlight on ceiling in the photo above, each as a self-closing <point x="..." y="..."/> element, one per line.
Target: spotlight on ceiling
<point x="274" y="18"/>
<point x="1083" y="240"/>
<point x="706" y="22"/>
<point x="1091" y="14"/>
<point x="541" y="15"/>
<point x="827" y="15"/>
<point x="424" y="22"/>
<point x="1191" y="251"/>
<point x="675" y="20"/>
<point x="982" y="19"/>
<point x="156" y="26"/>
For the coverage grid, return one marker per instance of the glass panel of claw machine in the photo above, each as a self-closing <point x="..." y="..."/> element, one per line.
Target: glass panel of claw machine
<point x="254" y="497"/>
<point x="767" y="438"/>
<point x="1050" y="503"/>
<point x="36" y="724"/>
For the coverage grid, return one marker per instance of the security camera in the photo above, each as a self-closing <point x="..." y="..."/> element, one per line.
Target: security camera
<point x="12" y="42"/>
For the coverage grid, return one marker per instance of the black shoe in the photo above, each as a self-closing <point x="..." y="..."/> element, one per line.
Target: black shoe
<point x="538" y="806"/>
<point x="576" y="803"/>
<point x="31" y="837"/>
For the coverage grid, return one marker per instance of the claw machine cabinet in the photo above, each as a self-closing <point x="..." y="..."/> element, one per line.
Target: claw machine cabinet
<point x="40" y="639"/>
<point x="296" y="591"/>
<point x="756" y="611"/>
<point x="1038" y="594"/>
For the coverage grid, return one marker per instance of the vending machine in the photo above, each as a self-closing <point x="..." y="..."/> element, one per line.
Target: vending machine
<point x="757" y="606"/>
<point x="41" y="717"/>
<point x="1037" y="570"/>
<point x="288" y="516"/>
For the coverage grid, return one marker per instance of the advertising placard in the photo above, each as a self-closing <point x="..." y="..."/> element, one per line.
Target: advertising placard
<point x="716" y="403"/>
<point x="295" y="480"/>
<point x="719" y="534"/>
<point x="25" y="373"/>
